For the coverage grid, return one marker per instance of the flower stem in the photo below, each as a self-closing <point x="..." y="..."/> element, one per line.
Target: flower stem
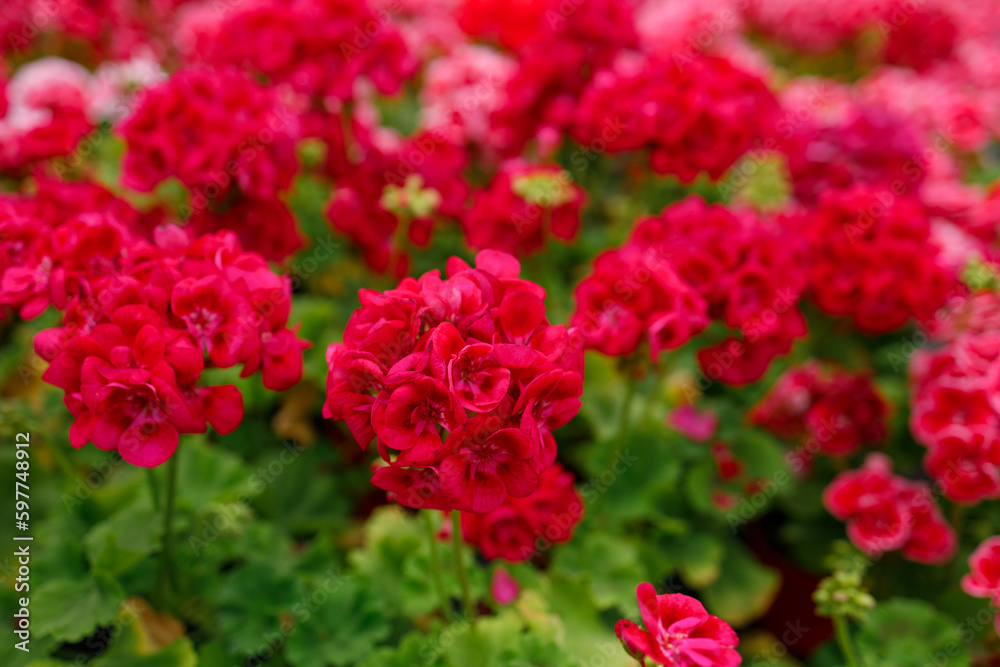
<point x="625" y="419"/>
<point x="957" y="514"/>
<point x="163" y="575"/>
<point x="463" y="574"/>
<point x="844" y="640"/>
<point x="154" y="488"/>
<point x="436" y="565"/>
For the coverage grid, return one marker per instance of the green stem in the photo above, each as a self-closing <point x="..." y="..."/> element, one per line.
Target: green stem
<point x="655" y="397"/>
<point x="463" y="574"/>
<point x="844" y="640"/>
<point x="154" y="488"/>
<point x="625" y="419"/>
<point x="957" y="514"/>
<point x="163" y="577"/>
<point x="436" y="565"/>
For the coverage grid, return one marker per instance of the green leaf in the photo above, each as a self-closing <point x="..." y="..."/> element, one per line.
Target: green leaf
<point x="338" y="625"/>
<point x="299" y="499"/>
<point x="588" y="639"/>
<point x="11" y="656"/>
<point x="699" y="483"/>
<point x="123" y="541"/>
<point x="745" y="590"/>
<point x="415" y="648"/>
<point x="71" y="610"/>
<point x="252" y="604"/>
<point x="608" y="563"/>
<point x="911" y="633"/>
<point x="492" y="635"/>
<point x="134" y="648"/>
<point x="212" y="475"/>
<point x="635" y="478"/>
<point x="700" y="559"/>
<point x="396" y="560"/>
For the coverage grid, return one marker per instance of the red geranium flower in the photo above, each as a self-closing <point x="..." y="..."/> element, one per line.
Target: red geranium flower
<point x="679" y="633"/>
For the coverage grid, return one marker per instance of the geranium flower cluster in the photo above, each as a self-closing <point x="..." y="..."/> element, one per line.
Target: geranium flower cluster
<point x="524" y="206"/>
<point x="44" y="112"/>
<point x="917" y="35"/>
<point x="684" y="30"/>
<point x="559" y="52"/>
<point x="885" y="513"/>
<point x="832" y="410"/>
<point x="92" y="30"/>
<point x="692" y="264"/>
<point x="844" y="143"/>
<point x="56" y="243"/>
<point x="955" y="410"/>
<point x="230" y="142"/>
<point x="872" y="258"/>
<point x="463" y="378"/>
<point x="396" y="195"/>
<point x="694" y="117"/>
<point x="513" y="25"/>
<point x="142" y="321"/>
<point x="983" y="580"/>
<point x="522" y="528"/>
<point x="943" y="105"/>
<point x="319" y="49"/>
<point x="462" y="90"/>
<point x="679" y="632"/>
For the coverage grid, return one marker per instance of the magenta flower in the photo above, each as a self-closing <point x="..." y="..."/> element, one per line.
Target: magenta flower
<point x="679" y="633"/>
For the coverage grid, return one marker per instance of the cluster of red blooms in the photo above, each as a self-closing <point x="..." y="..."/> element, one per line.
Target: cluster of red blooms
<point x="228" y="140"/>
<point x="111" y="29"/>
<point x="462" y="380"/>
<point x="885" y="513"/>
<point x="983" y="581"/>
<point x="522" y="528"/>
<point x="916" y="35"/>
<point x="861" y="145"/>
<point x="523" y="207"/>
<point x="40" y="264"/>
<point x="956" y="411"/>
<point x="694" y="117"/>
<point x="394" y="193"/>
<point x="318" y="49"/>
<point x="837" y="411"/>
<point x="139" y="320"/>
<point x="557" y="58"/>
<point x="513" y="25"/>
<point x="692" y="264"/>
<point x="679" y="632"/>
<point x="871" y="258"/>
<point x="464" y="377"/>
<point x="43" y="113"/>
